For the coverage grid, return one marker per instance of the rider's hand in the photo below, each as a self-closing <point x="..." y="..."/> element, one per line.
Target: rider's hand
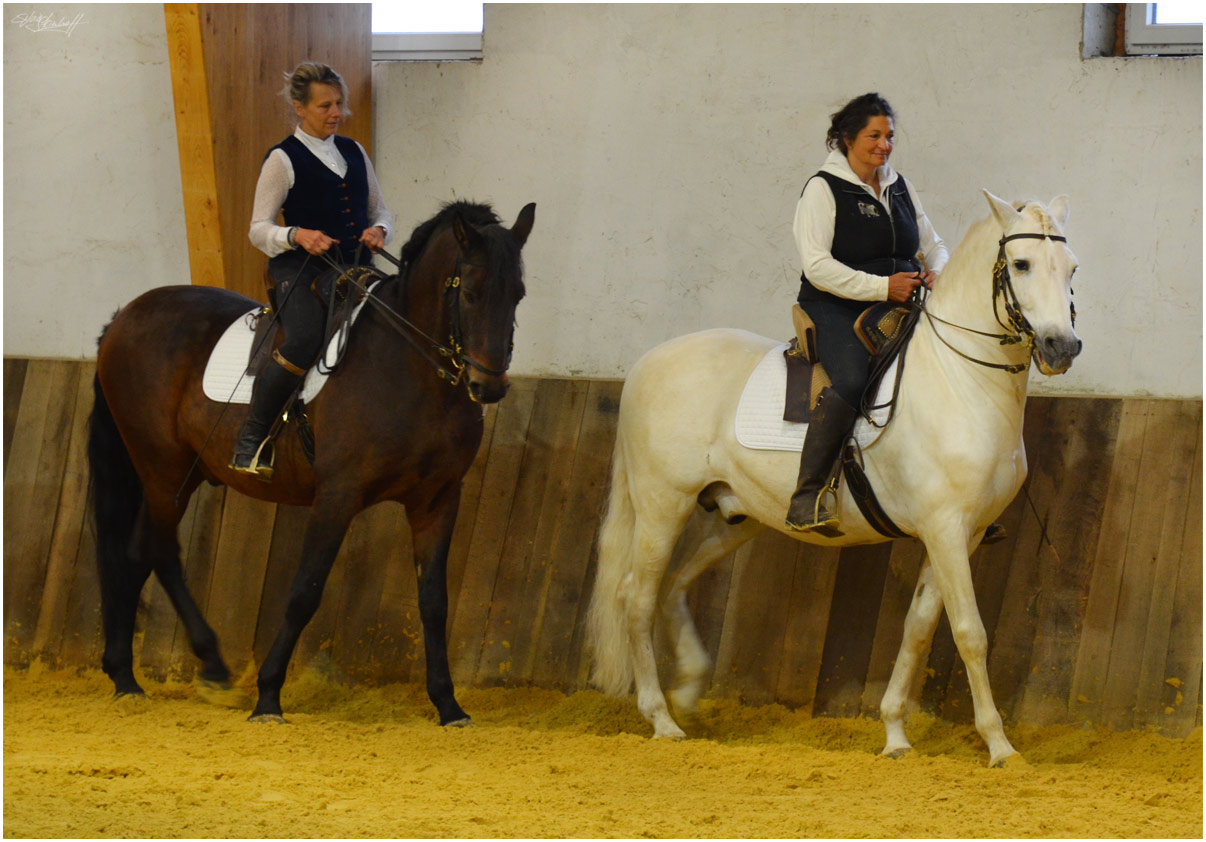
<point x="902" y="284"/>
<point x="315" y="242"/>
<point x="373" y="237"/>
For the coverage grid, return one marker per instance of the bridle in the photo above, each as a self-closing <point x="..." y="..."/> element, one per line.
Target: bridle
<point x="450" y="360"/>
<point x="1002" y="294"/>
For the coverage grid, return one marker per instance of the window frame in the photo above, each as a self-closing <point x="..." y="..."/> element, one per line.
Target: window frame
<point x="427" y="46"/>
<point x="1144" y="37"/>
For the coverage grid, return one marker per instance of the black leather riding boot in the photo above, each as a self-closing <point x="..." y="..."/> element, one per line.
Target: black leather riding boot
<point x="268" y="395"/>
<point x="831" y="421"/>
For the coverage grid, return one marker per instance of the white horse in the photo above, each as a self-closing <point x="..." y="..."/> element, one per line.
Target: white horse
<point x="946" y="466"/>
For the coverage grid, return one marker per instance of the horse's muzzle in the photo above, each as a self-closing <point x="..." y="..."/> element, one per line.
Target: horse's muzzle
<point x="1054" y="354"/>
<point x="488" y="388"/>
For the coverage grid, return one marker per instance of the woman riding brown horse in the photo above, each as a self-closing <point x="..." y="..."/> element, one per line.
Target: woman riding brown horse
<point x="399" y="420"/>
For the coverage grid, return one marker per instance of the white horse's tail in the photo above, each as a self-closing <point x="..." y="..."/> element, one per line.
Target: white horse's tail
<point x="608" y="616"/>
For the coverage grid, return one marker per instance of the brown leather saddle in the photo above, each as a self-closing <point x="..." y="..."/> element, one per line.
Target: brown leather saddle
<point x="883" y="328"/>
<point x="339" y="292"/>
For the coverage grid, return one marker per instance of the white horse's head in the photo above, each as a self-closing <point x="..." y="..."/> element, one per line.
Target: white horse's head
<point x="1038" y="267"/>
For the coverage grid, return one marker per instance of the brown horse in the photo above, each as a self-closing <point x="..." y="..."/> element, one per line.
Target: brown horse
<point x="399" y="420"/>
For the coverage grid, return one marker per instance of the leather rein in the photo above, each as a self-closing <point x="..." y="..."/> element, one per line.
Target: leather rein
<point x="1002" y="292"/>
<point x="450" y="361"/>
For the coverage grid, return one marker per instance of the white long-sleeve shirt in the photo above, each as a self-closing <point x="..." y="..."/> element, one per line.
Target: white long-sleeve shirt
<point x="276" y="178"/>
<point x="813" y="228"/>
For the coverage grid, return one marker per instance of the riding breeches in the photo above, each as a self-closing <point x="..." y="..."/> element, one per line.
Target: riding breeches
<point x="302" y="314"/>
<point x="845" y="358"/>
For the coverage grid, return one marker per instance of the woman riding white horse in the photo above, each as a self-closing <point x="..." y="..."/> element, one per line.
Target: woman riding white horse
<point x="859" y="227"/>
<point x="946" y="466"/>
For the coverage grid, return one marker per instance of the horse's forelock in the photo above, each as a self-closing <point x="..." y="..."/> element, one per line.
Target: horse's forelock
<point x="1041" y="215"/>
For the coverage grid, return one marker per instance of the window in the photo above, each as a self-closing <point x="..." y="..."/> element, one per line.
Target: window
<point x="1163" y="29"/>
<point x="446" y="31"/>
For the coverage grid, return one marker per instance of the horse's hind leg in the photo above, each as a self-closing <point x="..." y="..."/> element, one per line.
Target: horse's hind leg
<point x="919" y="625"/>
<point x="653" y="542"/>
<point x="120" y="592"/>
<point x="707" y="540"/>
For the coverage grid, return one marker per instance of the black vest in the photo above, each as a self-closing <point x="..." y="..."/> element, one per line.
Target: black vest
<point x="322" y="200"/>
<point x="865" y="236"/>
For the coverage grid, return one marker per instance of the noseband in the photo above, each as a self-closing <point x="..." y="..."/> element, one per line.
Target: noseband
<point x="1003" y="292"/>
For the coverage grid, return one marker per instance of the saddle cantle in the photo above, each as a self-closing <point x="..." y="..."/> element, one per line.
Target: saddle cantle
<point x="806" y="376"/>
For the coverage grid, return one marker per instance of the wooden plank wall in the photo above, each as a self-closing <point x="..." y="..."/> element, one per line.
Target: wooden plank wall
<point x="1093" y="606"/>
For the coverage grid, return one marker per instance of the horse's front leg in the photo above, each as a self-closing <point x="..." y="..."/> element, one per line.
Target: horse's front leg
<point x="949" y="557"/>
<point x="919" y="625"/>
<point x="325" y="529"/>
<point x="431" y="533"/>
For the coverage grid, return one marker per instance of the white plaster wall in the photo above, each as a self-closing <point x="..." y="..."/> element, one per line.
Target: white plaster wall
<point x="93" y="209"/>
<point x="666" y="146"/>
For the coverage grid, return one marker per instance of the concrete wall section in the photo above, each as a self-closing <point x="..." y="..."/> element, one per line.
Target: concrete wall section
<point x="666" y="145"/>
<point x="93" y="212"/>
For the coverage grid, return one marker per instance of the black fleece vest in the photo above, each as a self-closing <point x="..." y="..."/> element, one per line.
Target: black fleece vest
<point x="866" y="236"/>
<point x="322" y="200"/>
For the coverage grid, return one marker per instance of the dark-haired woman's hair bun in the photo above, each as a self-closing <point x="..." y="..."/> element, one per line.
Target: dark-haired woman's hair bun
<point x="854" y="115"/>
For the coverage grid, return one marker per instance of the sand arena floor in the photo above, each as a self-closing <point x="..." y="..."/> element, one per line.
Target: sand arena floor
<point x="362" y="761"/>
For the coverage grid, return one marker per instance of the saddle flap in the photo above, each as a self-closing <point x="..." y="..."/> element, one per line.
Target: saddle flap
<point x="266" y="338"/>
<point x="805" y="380"/>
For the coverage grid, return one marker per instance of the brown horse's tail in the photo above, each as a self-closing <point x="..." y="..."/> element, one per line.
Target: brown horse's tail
<point x="116" y="496"/>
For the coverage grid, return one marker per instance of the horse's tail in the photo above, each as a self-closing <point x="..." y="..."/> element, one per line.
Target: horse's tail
<point x="116" y="497"/>
<point x="608" y="616"/>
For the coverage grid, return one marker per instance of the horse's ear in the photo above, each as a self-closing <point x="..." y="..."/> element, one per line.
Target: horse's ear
<point x="1059" y="210"/>
<point x="1002" y="210"/>
<point x="523" y="223"/>
<point x="466" y="235"/>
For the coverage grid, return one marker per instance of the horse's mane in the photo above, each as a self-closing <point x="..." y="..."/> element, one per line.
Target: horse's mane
<point x="474" y="213"/>
<point x="504" y="260"/>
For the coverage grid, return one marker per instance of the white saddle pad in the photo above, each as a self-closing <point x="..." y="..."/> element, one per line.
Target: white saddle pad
<point x="225" y="378"/>
<point x="760" y="425"/>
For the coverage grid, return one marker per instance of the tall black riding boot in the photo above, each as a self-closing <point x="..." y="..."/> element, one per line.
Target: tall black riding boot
<point x="268" y="395"/>
<point x="831" y="421"/>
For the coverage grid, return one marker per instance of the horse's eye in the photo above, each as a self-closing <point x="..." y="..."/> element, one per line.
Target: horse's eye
<point x="1022" y="265"/>
<point x="469" y="295"/>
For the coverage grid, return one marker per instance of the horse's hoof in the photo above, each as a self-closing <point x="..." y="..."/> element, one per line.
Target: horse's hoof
<point x="463" y="722"/>
<point x="896" y="753"/>
<point x="222" y="694"/>
<point x="1012" y="761"/>
<point x="268" y="719"/>
<point x="127" y="698"/>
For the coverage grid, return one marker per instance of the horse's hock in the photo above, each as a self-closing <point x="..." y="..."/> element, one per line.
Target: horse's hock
<point x="1092" y="604"/>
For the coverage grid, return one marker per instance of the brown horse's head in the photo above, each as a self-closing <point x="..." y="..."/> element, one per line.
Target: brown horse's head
<point x="483" y="307"/>
<point x="475" y="263"/>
